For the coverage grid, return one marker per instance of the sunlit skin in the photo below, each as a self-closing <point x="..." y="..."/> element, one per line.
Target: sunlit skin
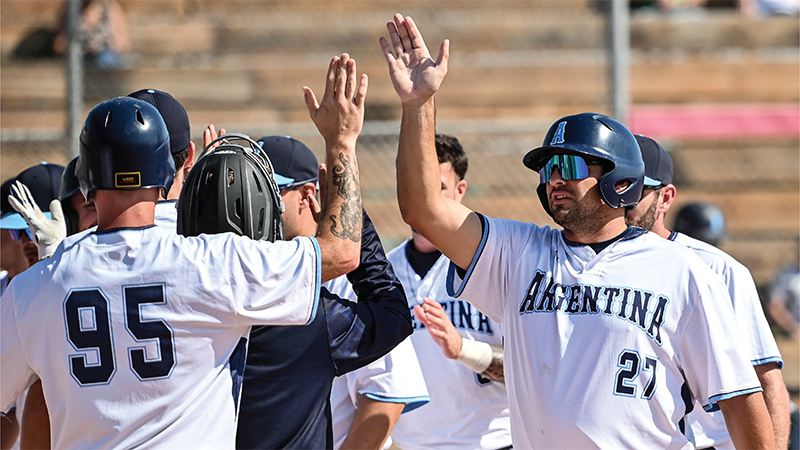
<point x="578" y="207"/>
<point x="649" y="214"/>
<point x="12" y="257"/>
<point x="87" y="213"/>
<point x="453" y="188"/>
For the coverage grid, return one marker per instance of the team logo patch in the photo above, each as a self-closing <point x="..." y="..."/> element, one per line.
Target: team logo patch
<point x="128" y="179"/>
<point x="558" y="136"/>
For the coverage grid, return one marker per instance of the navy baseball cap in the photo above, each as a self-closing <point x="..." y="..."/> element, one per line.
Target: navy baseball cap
<point x="43" y="180"/>
<point x="657" y="162"/>
<point x="174" y="116"/>
<point x="294" y="163"/>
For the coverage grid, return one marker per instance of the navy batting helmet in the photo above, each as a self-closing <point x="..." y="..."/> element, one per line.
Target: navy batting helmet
<point x="124" y="145"/>
<point x="601" y="137"/>
<point x="703" y="221"/>
<point x="231" y="188"/>
<point x="69" y="187"/>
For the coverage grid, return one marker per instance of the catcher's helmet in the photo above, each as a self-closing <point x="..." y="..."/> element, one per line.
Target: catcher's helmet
<point x="69" y="187"/>
<point x="231" y="188"/>
<point x="703" y="221"/>
<point x="601" y="137"/>
<point x="124" y="145"/>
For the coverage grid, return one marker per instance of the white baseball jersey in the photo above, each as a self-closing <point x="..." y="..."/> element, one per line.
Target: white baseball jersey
<point x="167" y="213"/>
<point x="599" y="348"/>
<point x="466" y="410"/>
<point x="394" y="378"/>
<point x="132" y="331"/>
<point x="709" y="428"/>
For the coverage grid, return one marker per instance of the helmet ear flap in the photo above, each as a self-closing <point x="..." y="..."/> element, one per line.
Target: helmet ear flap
<point x="541" y="191"/>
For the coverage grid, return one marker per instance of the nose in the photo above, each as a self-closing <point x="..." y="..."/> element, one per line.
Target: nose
<point x="555" y="177"/>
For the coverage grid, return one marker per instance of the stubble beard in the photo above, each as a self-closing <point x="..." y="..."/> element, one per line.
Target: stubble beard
<point x="647" y="220"/>
<point x="583" y="218"/>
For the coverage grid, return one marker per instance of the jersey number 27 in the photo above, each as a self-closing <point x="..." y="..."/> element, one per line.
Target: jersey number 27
<point x="89" y="331"/>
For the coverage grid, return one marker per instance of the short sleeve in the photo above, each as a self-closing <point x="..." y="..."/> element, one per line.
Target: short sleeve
<point x="14" y="369"/>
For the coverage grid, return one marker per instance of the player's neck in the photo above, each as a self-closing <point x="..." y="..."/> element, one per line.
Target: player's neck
<point x="125" y="209"/>
<point x="661" y="230"/>
<point x="604" y="232"/>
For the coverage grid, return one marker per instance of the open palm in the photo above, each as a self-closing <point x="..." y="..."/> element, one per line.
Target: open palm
<point x="415" y="75"/>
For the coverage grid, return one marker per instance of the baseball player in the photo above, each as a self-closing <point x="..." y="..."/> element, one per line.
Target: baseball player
<point x="599" y="351"/>
<point x="20" y="250"/>
<point x="463" y="369"/>
<point x="701" y="221"/>
<point x="296" y="366"/>
<point x="657" y="196"/>
<point x="140" y="343"/>
<point x="180" y="144"/>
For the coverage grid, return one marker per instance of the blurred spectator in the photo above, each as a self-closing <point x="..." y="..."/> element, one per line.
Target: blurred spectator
<point x="783" y="303"/>
<point x="759" y="8"/>
<point x="703" y="221"/>
<point x="104" y="33"/>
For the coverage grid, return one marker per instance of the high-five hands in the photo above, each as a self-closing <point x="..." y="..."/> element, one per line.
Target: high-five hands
<point x="339" y="116"/>
<point x="415" y="75"/>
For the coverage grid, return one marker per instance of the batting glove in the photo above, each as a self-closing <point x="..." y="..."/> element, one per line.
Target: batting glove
<point x="48" y="233"/>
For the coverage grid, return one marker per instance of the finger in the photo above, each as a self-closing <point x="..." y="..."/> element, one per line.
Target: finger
<point x="330" y="79"/>
<point x="361" y="95"/>
<point x="402" y="31"/>
<point x="414" y="36"/>
<point x="387" y="51"/>
<point x="394" y="35"/>
<point x="311" y="101"/>
<point x="323" y="180"/>
<point x="341" y="76"/>
<point x="56" y="212"/>
<point x="444" y="56"/>
<point x="350" y="84"/>
<point x="314" y="205"/>
<point x="221" y="132"/>
<point x="18" y="206"/>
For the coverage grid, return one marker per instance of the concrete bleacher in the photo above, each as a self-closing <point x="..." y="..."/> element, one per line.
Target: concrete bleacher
<point x="241" y="64"/>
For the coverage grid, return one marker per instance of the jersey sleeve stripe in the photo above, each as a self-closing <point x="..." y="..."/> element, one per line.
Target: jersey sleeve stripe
<point x="712" y="403"/>
<point x="412" y="403"/>
<point x="771" y="359"/>
<point x="452" y="276"/>
<point x="318" y="278"/>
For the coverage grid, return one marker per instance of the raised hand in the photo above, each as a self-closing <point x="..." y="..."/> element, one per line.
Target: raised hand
<point x="432" y="315"/>
<point x="48" y="233"/>
<point x="340" y="115"/>
<point x="415" y="75"/>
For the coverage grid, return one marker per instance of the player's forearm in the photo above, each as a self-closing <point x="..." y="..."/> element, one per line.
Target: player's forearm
<point x="35" y="431"/>
<point x="339" y="230"/>
<point x="418" y="178"/>
<point x="777" y="400"/>
<point x="372" y="424"/>
<point x="748" y="421"/>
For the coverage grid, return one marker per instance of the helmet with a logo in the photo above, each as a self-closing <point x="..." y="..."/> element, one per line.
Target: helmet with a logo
<point x="124" y="144"/>
<point x="599" y="137"/>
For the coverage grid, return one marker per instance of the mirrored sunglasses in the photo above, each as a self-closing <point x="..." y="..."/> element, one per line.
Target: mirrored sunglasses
<point x="17" y="234"/>
<point x="571" y="167"/>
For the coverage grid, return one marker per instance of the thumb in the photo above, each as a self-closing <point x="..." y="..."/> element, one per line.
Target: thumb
<point x="56" y="211"/>
<point x="311" y="101"/>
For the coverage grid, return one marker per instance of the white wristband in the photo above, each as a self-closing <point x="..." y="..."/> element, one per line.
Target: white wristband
<point x="475" y="355"/>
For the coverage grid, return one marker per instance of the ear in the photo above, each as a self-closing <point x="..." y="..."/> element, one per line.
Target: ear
<point x="306" y="190"/>
<point x="666" y="198"/>
<point x="189" y="163"/>
<point x="461" y="190"/>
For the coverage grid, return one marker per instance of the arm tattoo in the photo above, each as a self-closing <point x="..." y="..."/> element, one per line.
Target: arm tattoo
<point x="347" y="225"/>
<point x="495" y="370"/>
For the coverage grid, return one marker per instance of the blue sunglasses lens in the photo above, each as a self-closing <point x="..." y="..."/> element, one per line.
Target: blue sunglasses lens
<point x="17" y="234"/>
<point x="571" y="167"/>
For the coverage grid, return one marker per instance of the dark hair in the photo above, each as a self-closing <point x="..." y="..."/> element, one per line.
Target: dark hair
<point x="449" y="150"/>
<point x="180" y="158"/>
